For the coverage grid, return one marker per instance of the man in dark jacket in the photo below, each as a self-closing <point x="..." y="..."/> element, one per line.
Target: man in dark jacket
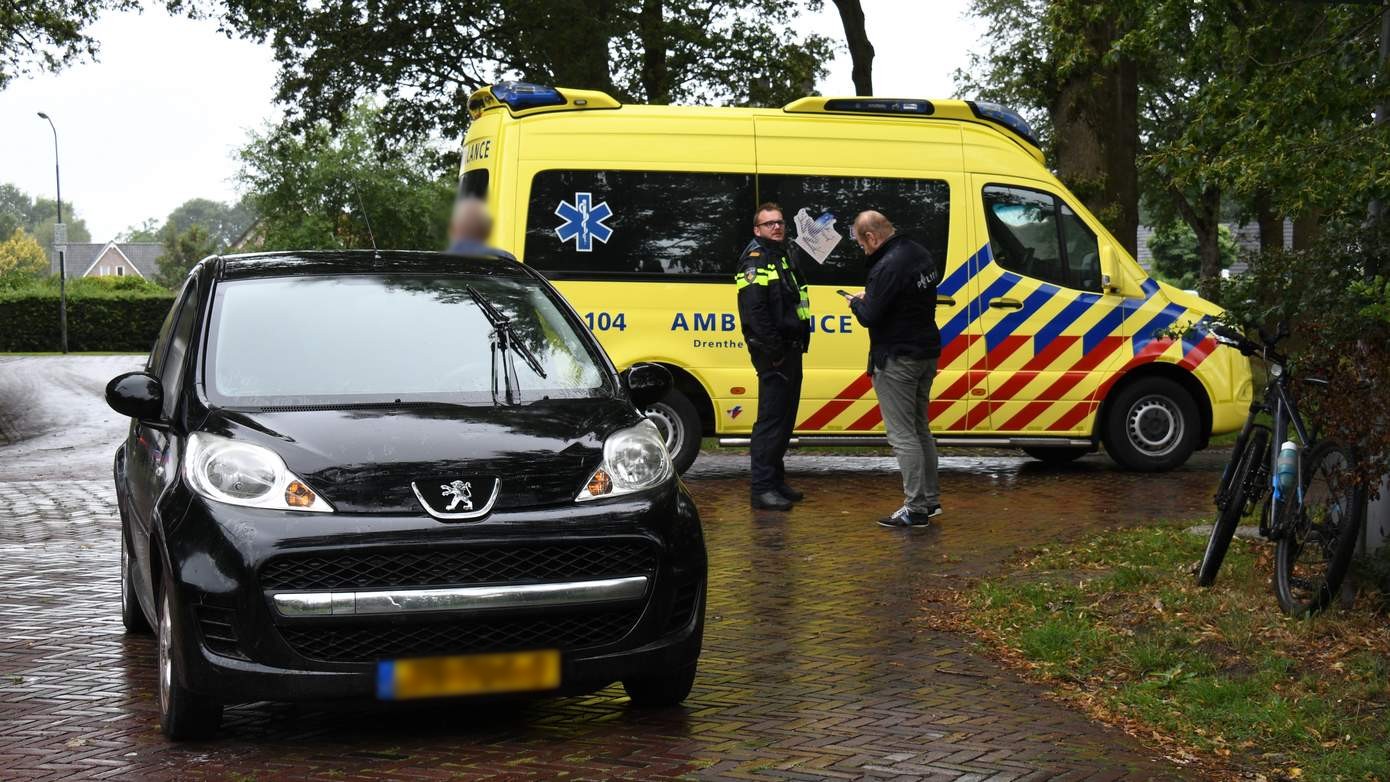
<point x="898" y="306"/>
<point x="776" y="316"/>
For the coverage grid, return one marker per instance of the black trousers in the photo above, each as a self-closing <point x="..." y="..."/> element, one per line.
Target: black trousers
<point x="779" y="392"/>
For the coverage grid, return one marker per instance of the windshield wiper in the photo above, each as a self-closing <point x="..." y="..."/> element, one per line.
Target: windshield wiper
<point x="505" y="341"/>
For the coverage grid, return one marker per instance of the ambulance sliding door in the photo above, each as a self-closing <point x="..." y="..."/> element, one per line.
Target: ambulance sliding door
<point x="826" y="170"/>
<point x="1051" y="336"/>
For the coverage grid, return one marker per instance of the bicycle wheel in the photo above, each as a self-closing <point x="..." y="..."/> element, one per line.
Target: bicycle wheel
<point x="1233" y="503"/>
<point x="1315" y="548"/>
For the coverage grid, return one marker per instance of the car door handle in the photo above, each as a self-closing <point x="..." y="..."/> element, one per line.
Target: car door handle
<point x="945" y="301"/>
<point x="1012" y="304"/>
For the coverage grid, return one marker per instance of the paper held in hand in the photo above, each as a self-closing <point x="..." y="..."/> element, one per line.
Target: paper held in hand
<point x="817" y="236"/>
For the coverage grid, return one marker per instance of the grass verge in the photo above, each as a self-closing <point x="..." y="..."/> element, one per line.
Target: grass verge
<point x="1117" y="626"/>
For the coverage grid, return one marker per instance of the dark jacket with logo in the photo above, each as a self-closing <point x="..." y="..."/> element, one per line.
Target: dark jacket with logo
<point x="772" y="303"/>
<point x="899" y="304"/>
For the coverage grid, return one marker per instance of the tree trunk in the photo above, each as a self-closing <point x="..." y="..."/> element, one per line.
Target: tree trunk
<point x="861" y="52"/>
<point x="584" y="61"/>
<point x="1208" y="229"/>
<point x="1095" y="115"/>
<point x="651" y="29"/>
<point x="1271" y="224"/>
<point x="1306" y="228"/>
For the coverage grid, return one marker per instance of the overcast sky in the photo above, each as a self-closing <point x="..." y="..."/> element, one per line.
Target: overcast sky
<point x="156" y="120"/>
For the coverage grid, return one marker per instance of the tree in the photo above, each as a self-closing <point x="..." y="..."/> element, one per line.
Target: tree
<point x="861" y="51"/>
<point x="147" y="231"/>
<point x="424" y="58"/>
<point x="21" y="259"/>
<point x="46" y="35"/>
<point x="224" y="223"/>
<point x="311" y="188"/>
<point x="1175" y="256"/>
<point x="1072" y="67"/>
<point x="181" y="251"/>
<point x="37" y="216"/>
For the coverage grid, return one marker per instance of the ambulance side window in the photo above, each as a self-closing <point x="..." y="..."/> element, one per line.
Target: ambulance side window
<point x="474" y="184"/>
<point x="919" y="208"/>
<point x="1034" y="234"/>
<point x="638" y="224"/>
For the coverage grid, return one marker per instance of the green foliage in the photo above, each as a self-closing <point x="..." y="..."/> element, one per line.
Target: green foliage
<point x="47" y="35"/>
<point x="1340" y="327"/>
<point x="147" y="231"/>
<point x="1175" y="259"/>
<point x="37" y="216"/>
<point x="22" y="260"/>
<point x="182" y="251"/>
<point x="1119" y="624"/>
<point x="307" y="188"/>
<point x="427" y="57"/>
<point x="104" y="314"/>
<point x="223" y="223"/>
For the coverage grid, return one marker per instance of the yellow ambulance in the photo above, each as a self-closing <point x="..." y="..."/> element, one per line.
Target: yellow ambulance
<point x="1054" y="339"/>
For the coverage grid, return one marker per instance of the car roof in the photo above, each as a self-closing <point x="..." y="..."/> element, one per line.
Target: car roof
<point x="294" y="263"/>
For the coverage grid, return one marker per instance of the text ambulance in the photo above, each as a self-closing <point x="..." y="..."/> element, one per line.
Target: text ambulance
<point x="1054" y="340"/>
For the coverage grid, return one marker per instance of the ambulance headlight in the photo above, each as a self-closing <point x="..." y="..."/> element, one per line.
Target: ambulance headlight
<point x="634" y="459"/>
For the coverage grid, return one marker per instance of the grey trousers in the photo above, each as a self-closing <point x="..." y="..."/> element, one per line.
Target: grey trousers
<point x="903" y="386"/>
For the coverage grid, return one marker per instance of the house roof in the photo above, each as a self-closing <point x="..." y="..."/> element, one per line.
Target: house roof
<point x="143" y="256"/>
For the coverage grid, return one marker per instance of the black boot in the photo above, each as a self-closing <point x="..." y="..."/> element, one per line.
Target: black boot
<point x="792" y="494"/>
<point x="770" y="500"/>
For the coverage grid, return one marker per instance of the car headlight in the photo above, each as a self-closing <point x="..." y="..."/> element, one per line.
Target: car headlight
<point x="239" y="473"/>
<point x="633" y="459"/>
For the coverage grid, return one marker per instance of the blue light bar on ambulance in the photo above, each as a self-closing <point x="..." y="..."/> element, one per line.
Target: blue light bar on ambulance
<point x="519" y="95"/>
<point x="1006" y="117"/>
<point x="880" y="106"/>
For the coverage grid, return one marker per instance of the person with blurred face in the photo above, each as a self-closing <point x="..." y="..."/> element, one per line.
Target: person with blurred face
<point x="469" y="229"/>
<point x="775" y="313"/>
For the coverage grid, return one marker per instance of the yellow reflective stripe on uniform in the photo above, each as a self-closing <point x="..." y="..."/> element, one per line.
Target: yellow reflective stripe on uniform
<point x="803" y="307"/>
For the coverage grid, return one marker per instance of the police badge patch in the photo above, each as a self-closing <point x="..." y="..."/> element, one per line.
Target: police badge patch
<point x="750" y="274"/>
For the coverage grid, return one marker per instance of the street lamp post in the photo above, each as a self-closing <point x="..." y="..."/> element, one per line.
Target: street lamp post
<point x="60" y="242"/>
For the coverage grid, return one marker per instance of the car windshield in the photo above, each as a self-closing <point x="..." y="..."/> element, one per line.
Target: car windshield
<point x="382" y="339"/>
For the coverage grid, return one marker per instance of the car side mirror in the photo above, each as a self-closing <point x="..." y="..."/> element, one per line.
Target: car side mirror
<point x="138" y="395"/>
<point x="1113" y="278"/>
<point x="647" y="384"/>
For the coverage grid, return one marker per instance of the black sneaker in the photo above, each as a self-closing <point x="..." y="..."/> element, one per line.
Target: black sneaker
<point x="903" y="517"/>
<point x="770" y="500"/>
<point x="794" y="495"/>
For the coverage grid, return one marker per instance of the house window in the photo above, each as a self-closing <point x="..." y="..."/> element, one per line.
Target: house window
<point x="120" y="271"/>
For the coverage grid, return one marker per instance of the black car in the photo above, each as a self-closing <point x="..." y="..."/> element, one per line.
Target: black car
<point x="397" y="475"/>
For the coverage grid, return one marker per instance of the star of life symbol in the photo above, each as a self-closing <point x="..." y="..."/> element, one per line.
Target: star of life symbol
<point x="461" y="492"/>
<point x="583" y="222"/>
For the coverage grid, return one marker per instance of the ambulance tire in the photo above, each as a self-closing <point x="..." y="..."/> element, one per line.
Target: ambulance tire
<point x="675" y="415"/>
<point x="1057" y="456"/>
<point x="1151" y="425"/>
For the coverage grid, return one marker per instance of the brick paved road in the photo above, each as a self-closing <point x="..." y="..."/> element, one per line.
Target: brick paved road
<point x="816" y="663"/>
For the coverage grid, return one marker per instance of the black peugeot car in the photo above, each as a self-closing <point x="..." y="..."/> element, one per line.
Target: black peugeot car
<point x="397" y="475"/>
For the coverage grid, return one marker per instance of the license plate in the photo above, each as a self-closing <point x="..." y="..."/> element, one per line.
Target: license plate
<point x="475" y="674"/>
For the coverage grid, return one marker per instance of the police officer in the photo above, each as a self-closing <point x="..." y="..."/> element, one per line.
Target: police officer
<point x="776" y="316"/>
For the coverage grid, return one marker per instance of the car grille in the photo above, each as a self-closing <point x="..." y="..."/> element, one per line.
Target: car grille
<point x="219" y="631"/>
<point x="683" y="606"/>
<point x="565" y="632"/>
<point x="471" y="565"/>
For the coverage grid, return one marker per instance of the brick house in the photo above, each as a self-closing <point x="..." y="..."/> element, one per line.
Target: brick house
<point x="112" y="259"/>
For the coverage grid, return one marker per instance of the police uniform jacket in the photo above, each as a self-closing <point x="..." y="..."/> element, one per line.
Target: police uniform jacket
<point x="899" y="304"/>
<point x="773" y="305"/>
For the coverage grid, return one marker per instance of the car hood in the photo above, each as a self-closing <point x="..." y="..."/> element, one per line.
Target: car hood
<point x="365" y="460"/>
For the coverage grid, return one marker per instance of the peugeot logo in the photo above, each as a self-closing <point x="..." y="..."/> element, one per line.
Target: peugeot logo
<point x="461" y="491"/>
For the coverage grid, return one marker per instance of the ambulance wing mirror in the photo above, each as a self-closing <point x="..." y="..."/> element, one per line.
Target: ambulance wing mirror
<point x="1113" y="278"/>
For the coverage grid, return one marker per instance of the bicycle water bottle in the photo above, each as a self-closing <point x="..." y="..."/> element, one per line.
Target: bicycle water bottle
<point x="1286" y="468"/>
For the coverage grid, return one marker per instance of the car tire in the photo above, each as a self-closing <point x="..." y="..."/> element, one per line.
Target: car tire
<point x="183" y="714"/>
<point x="132" y="616"/>
<point x="1056" y="457"/>
<point x="679" y="422"/>
<point x="661" y="691"/>
<point x="1151" y="425"/>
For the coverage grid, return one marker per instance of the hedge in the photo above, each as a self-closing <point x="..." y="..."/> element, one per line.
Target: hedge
<point x="101" y="317"/>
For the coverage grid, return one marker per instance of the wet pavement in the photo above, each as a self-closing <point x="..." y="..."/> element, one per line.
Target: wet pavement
<point x="818" y="663"/>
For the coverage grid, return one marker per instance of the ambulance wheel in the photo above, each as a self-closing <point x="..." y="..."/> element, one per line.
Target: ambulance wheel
<point x="1151" y="425"/>
<point x="679" y="422"/>
<point x="1057" y="456"/>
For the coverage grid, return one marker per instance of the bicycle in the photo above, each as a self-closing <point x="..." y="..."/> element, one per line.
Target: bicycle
<point x="1309" y="504"/>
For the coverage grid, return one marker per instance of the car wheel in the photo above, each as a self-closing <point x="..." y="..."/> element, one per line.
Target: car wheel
<point x="658" y="691"/>
<point x="132" y="616"/>
<point x="676" y="417"/>
<point x="183" y="714"/>
<point x="1057" y="456"/>
<point x="1151" y="425"/>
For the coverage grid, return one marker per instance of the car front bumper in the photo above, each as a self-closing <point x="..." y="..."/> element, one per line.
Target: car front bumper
<point x="296" y="606"/>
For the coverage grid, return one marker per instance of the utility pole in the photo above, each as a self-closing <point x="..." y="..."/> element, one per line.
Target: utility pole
<point x="60" y="244"/>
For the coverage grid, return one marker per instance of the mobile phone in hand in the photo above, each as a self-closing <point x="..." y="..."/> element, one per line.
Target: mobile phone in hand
<point x="844" y="293"/>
